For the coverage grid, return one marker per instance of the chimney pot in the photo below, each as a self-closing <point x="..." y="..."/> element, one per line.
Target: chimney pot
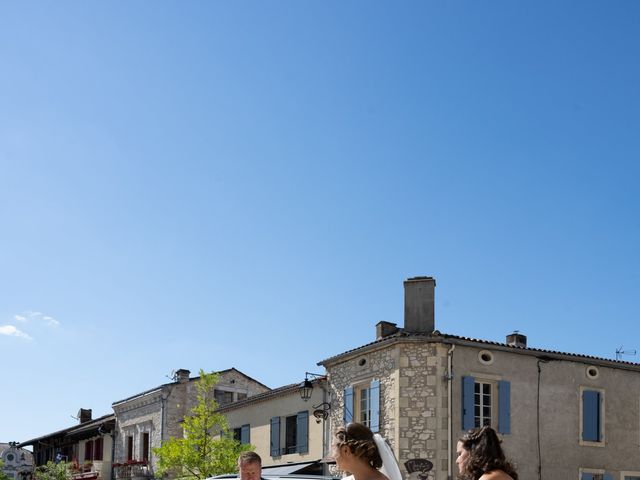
<point x="516" y="339"/>
<point x="384" y="329"/>
<point x="182" y="375"/>
<point x="419" y="304"/>
<point x="84" y="415"/>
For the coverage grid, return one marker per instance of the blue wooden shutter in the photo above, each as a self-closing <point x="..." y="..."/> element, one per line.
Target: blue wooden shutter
<point x="504" y="406"/>
<point x="302" y="432"/>
<point x="244" y="434"/>
<point x="590" y="416"/>
<point x="374" y="403"/>
<point x="348" y="405"/>
<point x="468" y="418"/>
<point x="275" y="436"/>
<point x="586" y="476"/>
<point x="608" y="476"/>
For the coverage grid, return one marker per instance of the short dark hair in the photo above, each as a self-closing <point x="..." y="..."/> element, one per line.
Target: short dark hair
<point x="249" y="457"/>
<point x="485" y="454"/>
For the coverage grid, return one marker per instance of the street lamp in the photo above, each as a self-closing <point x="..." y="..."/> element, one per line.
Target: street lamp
<point x="306" y="387"/>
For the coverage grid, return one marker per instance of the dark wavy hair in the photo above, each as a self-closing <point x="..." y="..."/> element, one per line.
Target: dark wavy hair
<point x="485" y="454"/>
<point x="360" y="441"/>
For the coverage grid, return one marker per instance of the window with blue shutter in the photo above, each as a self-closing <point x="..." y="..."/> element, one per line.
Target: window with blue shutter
<point x="275" y="436"/>
<point x="468" y="419"/>
<point x="348" y="405"/>
<point x="245" y="434"/>
<point x="591" y="421"/>
<point x="302" y="432"/>
<point x="607" y="476"/>
<point x="504" y="406"/>
<point x="586" y="476"/>
<point x="374" y="404"/>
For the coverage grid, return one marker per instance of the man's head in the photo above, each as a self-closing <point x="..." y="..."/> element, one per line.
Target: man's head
<point x="249" y="466"/>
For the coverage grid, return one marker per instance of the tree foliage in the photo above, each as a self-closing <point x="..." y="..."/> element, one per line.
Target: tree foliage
<point x="53" y="471"/>
<point x="3" y="476"/>
<point x="207" y="449"/>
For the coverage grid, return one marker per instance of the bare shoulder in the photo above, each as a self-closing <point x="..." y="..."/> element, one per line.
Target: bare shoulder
<point x="496" y="475"/>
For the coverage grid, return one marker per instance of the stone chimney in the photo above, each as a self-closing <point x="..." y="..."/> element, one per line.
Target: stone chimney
<point x="384" y="329"/>
<point x="516" y="339"/>
<point x="182" y="375"/>
<point x="419" y="310"/>
<point x="84" y="415"/>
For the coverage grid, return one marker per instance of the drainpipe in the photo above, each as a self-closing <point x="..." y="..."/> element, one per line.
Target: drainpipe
<point x="449" y="414"/>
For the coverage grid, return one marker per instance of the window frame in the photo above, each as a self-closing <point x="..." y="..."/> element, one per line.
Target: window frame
<point x="602" y="424"/>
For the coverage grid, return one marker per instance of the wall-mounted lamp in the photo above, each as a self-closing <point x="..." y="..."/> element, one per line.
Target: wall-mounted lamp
<point x="306" y="387"/>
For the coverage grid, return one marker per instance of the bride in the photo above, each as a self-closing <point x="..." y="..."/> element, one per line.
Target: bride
<point x="364" y="455"/>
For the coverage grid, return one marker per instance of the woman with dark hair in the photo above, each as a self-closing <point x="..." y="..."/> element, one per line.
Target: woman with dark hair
<point x="480" y="457"/>
<point x="364" y="455"/>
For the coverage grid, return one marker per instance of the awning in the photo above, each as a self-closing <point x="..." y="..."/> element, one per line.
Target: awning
<point x="286" y="468"/>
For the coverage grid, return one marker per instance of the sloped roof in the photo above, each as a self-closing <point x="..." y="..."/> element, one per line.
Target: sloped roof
<point x="191" y="379"/>
<point x="436" y="336"/>
<point x="74" y="429"/>
<point x="264" y="396"/>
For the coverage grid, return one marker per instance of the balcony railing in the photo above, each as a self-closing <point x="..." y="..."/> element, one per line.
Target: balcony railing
<point x="133" y="469"/>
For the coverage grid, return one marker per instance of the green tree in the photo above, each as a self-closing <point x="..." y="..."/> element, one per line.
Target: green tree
<point x="53" y="471"/>
<point x="207" y="449"/>
<point x="3" y="476"/>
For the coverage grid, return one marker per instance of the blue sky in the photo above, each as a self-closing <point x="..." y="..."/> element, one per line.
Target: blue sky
<point x="247" y="184"/>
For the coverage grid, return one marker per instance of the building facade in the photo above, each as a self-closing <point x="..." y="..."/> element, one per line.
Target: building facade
<point x="17" y="463"/>
<point x="561" y="416"/>
<point x="290" y="434"/>
<point x="88" y="447"/>
<point x="146" y="420"/>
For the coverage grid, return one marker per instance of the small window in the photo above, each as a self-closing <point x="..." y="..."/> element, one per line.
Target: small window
<point x="98" y="445"/>
<point x="291" y="434"/>
<point x="144" y="438"/>
<point x="241" y="396"/>
<point x="129" y="447"/>
<point x="362" y="362"/>
<point x="223" y="397"/>
<point x="88" y="450"/>
<point x="592" y="372"/>
<point x="485" y="357"/>
<point x="592" y="412"/>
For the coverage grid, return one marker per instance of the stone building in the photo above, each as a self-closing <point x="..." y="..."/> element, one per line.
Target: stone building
<point x="146" y="420"/>
<point x="17" y="463"/>
<point x="288" y="432"/>
<point x="561" y="416"/>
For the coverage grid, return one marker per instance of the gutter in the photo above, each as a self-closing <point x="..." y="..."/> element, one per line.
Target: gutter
<point x="449" y="378"/>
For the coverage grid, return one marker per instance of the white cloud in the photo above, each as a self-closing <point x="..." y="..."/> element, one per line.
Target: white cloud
<point x="12" y="331"/>
<point x="52" y="322"/>
<point x="20" y="318"/>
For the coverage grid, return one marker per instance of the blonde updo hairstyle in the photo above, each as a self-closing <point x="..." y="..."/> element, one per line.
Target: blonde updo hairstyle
<point x="360" y="441"/>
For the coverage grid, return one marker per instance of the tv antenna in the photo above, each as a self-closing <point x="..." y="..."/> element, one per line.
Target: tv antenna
<point x="620" y="352"/>
<point x="172" y="376"/>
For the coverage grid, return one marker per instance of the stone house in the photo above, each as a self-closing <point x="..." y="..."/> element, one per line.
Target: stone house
<point x="17" y="463"/>
<point x="146" y="420"/>
<point x="88" y="446"/>
<point x="561" y="416"/>
<point x="290" y="434"/>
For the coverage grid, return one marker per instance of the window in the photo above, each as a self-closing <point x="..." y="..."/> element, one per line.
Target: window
<point x="296" y="434"/>
<point x="129" y="447"/>
<point x="241" y="396"/>
<point x="98" y="446"/>
<point x="223" y="397"/>
<point x="482" y="404"/>
<point x="237" y="434"/>
<point x="88" y="450"/>
<point x="591" y="474"/>
<point x="486" y="402"/>
<point x="592" y="412"/>
<point x="290" y="434"/>
<point x="362" y="404"/>
<point x="144" y="440"/>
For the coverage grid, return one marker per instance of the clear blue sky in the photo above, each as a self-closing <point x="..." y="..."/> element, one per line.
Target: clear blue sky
<point x="247" y="184"/>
